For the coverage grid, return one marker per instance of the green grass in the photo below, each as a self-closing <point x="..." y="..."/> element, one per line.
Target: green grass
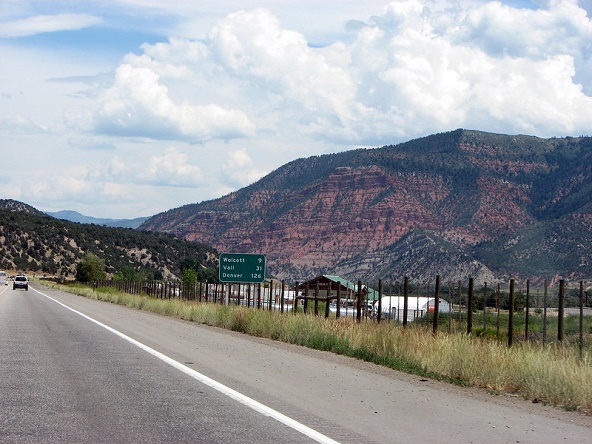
<point x="553" y="373"/>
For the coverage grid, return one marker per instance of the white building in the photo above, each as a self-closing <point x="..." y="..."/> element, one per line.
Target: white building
<point x="392" y="307"/>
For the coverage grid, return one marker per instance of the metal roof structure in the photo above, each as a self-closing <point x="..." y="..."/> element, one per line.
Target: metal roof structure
<point x="326" y="279"/>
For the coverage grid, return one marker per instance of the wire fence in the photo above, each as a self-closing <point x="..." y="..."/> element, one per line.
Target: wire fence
<point x="508" y="313"/>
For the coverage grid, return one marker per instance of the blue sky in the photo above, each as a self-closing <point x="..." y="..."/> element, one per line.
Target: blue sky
<point x="125" y="108"/>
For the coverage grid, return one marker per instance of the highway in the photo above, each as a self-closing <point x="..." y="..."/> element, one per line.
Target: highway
<point x="75" y="370"/>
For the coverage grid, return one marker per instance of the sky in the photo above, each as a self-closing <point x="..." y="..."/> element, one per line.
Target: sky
<point x="127" y="108"/>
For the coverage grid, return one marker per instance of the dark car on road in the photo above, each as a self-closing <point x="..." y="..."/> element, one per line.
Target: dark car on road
<point x="20" y="282"/>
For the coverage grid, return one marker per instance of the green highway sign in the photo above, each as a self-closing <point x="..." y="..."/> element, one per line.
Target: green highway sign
<point x="239" y="267"/>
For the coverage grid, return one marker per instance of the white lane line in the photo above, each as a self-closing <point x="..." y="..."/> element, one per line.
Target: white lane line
<point x="243" y="399"/>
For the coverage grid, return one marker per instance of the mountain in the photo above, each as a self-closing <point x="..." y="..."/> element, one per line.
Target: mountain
<point x="74" y="216"/>
<point x="21" y="207"/>
<point x="459" y="204"/>
<point x="35" y="242"/>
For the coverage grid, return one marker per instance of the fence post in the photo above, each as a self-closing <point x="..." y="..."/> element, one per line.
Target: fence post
<point x="561" y="310"/>
<point x="338" y="314"/>
<point x="316" y="299"/>
<point x="295" y="301"/>
<point x="511" y="315"/>
<point x="305" y="308"/>
<point x="379" y="300"/>
<point x="470" y="307"/>
<point x="581" y="319"/>
<point x="282" y="296"/>
<point x="327" y="300"/>
<point x="405" y="300"/>
<point x="359" y="303"/>
<point x="527" y="309"/>
<point x="258" y="295"/>
<point x="451" y="299"/>
<point x="436" y="306"/>
<point x="484" y="306"/>
<point x="545" y="313"/>
<point x="497" y="308"/>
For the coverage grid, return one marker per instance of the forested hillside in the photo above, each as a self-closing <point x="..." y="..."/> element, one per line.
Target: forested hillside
<point x="33" y="242"/>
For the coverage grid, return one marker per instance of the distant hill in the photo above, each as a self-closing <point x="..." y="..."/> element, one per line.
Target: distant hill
<point x="74" y="216"/>
<point x="21" y="207"/>
<point x="459" y="204"/>
<point x="35" y="242"/>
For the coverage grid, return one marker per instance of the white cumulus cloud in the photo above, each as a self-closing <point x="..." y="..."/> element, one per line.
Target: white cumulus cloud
<point x="138" y="104"/>
<point x="172" y="169"/>
<point x="411" y="71"/>
<point x="239" y="169"/>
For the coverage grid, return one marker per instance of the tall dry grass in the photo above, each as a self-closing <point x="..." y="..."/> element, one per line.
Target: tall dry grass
<point x="554" y="373"/>
<point x="551" y="373"/>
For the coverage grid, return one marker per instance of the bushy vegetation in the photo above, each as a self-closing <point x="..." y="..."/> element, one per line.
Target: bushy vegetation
<point x="39" y="243"/>
<point x="554" y="374"/>
<point x="90" y="268"/>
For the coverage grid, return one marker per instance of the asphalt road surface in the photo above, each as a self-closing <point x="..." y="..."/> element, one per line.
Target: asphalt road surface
<point x="74" y="370"/>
